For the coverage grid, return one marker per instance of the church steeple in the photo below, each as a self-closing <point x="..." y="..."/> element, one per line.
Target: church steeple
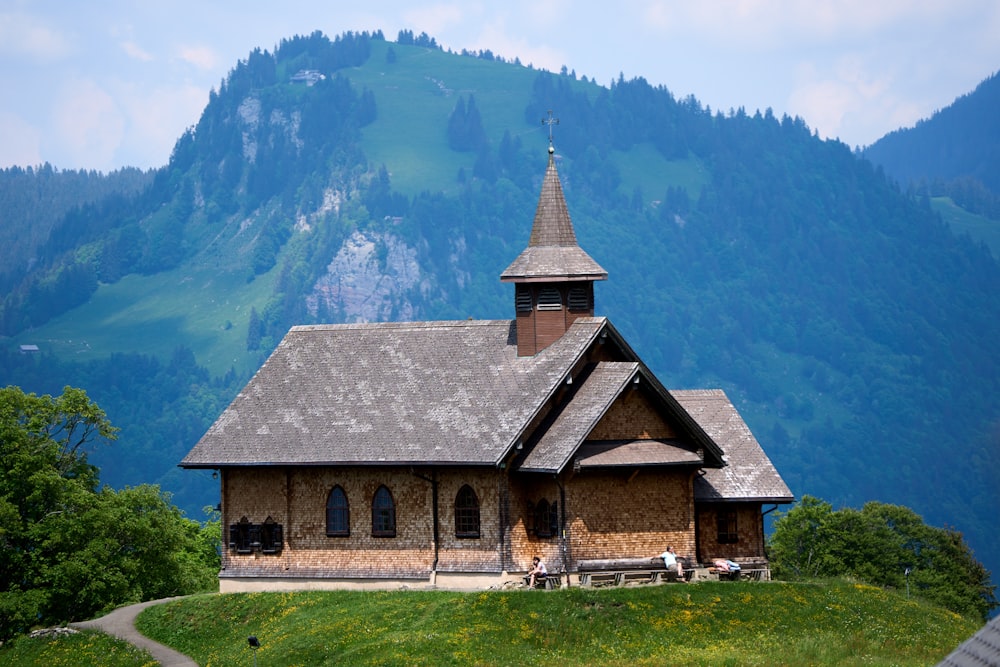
<point x="553" y="276"/>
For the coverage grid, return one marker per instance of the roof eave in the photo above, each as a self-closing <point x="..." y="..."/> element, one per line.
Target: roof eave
<point x="560" y="277"/>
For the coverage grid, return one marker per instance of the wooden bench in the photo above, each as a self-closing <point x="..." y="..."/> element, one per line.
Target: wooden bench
<point x="549" y="582"/>
<point x="624" y="571"/>
<point x="749" y="571"/>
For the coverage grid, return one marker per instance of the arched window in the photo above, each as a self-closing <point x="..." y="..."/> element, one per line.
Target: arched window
<point x="383" y="514"/>
<point x="338" y="513"/>
<point x="466" y="513"/>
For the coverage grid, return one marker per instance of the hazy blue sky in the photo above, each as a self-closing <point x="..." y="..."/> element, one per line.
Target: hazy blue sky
<point x="105" y="84"/>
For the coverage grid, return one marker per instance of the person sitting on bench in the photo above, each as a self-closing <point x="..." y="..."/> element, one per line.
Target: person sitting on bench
<point x="537" y="572"/>
<point x="673" y="563"/>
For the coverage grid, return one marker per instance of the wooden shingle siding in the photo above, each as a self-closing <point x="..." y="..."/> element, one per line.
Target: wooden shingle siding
<point x="258" y="493"/>
<point x="633" y="416"/>
<point x="480" y="554"/>
<point x="620" y="516"/>
<point x="750" y="543"/>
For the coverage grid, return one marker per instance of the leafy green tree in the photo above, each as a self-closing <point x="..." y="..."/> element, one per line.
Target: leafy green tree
<point x="884" y="545"/>
<point x="69" y="549"/>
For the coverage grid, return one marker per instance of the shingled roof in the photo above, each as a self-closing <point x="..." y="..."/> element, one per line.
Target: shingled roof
<point x="552" y="252"/>
<point x="598" y="391"/>
<point x="749" y="475"/>
<point x="391" y="393"/>
<point x="980" y="650"/>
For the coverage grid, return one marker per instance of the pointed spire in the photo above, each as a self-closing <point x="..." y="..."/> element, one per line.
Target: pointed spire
<point x="552" y="253"/>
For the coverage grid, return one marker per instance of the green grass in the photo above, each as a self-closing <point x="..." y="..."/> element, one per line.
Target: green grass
<point x="85" y="648"/>
<point x="154" y="314"/>
<point x="978" y="228"/>
<point x="645" y="167"/>
<point x="834" y="623"/>
<point x="415" y="97"/>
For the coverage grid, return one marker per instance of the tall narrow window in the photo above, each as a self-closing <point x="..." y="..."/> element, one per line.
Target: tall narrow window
<point x="728" y="530"/>
<point x="383" y="514"/>
<point x="338" y="513"/>
<point x="271" y="537"/>
<point x="546" y="520"/>
<point x="466" y="513"/>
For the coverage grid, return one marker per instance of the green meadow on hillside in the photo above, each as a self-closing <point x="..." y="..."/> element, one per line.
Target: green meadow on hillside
<point x="978" y="228"/>
<point x="711" y="623"/>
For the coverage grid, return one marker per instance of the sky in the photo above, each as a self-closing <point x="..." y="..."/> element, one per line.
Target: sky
<point x="105" y="84"/>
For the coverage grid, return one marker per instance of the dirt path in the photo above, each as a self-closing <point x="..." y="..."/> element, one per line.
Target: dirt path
<point x="121" y="623"/>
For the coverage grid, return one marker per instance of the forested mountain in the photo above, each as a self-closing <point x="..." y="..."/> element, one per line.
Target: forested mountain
<point x="360" y="179"/>
<point x="955" y="153"/>
<point x="962" y="140"/>
<point x="34" y="199"/>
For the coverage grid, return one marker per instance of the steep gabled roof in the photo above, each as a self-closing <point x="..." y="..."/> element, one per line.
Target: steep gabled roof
<point x="598" y="390"/>
<point x="448" y="393"/>
<point x="552" y="252"/>
<point x="579" y="416"/>
<point x="749" y="473"/>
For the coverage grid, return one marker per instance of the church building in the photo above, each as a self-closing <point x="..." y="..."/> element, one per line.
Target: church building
<point x="451" y="453"/>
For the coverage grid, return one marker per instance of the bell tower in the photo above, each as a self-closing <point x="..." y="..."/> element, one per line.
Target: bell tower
<point x="553" y="277"/>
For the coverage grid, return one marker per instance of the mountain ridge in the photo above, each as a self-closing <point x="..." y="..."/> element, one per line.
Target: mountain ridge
<point x="843" y="317"/>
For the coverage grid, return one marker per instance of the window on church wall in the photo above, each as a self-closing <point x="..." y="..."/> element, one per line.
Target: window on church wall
<point x="246" y="537"/>
<point x="545" y="518"/>
<point x="549" y="299"/>
<point x="242" y="536"/>
<point x="271" y="536"/>
<point x="338" y="513"/>
<point x="728" y="532"/>
<point x="383" y="514"/>
<point x="466" y="513"/>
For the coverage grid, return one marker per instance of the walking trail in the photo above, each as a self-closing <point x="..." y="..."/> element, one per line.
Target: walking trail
<point x="121" y="624"/>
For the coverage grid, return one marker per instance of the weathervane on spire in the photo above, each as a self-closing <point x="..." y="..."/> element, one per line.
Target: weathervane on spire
<point x="550" y="121"/>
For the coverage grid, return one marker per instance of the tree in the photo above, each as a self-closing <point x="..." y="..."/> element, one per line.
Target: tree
<point x="69" y="549"/>
<point x="883" y="545"/>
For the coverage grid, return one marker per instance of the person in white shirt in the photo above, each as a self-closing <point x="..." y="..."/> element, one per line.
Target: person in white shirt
<point x="672" y="563"/>
<point x="537" y="572"/>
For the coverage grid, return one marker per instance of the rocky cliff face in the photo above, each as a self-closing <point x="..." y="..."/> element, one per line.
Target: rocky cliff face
<point x="368" y="280"/>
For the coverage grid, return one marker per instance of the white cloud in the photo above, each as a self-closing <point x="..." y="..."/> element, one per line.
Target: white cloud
<point x="135" y="51"/>
<point x="26" y="36"/>
<point x="200" y="56"/>
<point x="156" y="119"/>
<point x="437" y="19"/>
<point x="88" y="126"/>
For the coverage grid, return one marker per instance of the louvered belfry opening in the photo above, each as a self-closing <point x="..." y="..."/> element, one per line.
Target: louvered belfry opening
<point x="553" y="276"/>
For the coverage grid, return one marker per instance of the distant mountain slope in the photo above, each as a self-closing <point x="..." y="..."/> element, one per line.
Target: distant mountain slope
<point x="853" y="329"/>
<point x="959" y="141"/>
<point x="34" y="199"/>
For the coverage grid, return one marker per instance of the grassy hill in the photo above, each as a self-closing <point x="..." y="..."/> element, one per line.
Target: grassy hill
<point x="711" y="623"/>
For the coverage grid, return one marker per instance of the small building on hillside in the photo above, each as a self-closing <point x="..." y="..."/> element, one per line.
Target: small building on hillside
<point x="450" y="453"/>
